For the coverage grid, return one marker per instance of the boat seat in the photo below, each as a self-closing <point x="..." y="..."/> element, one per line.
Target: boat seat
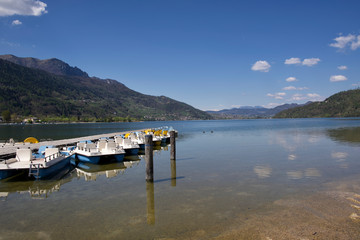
<point x="118" y="140"/>
<point x="23" y="155"/>
<point x="126" y="142"/>
<point x="11" y="160"/>
<point x="81" y="145"/>
<point x="49" y="152"/>
<point x="110" y="145"/>
<point x="132" y="136"/>
<point x="91" y="147"/>
<point x="101" y="144"/>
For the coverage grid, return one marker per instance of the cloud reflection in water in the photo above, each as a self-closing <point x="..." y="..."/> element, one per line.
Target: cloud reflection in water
<point x="263" y="171"/>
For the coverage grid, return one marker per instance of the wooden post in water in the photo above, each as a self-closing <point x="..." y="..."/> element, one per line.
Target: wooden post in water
<point x="173" y="173"/>
<point x="150" y="203"/>
<point x="149" y="158"/>
<point x="173" y="147"/>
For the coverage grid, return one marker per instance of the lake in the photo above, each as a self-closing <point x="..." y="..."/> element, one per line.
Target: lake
<point x="233" y="179"/>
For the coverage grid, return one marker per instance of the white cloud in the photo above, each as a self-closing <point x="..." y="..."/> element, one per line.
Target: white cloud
<point x="310" y="61"/>
<point x="355" y="44"/>
<point x="342" y="67"/>
<point x="302" y="88"/>
<point x="279" y="95"/>
<point x="236" y="106"/>
<point x="22" y="7"/>
<point x="289" y="88"/>
<point x="306" y="97"/>
<point x="291" y="79"/>
<point x="297" y="97"/>
<point x="293" y="61"/>
<point x="351" y="41"/>
<point x="16" y="22"/>
<point x="313" y="96"/>
<point x="342" y="41"/>
<point x="262" y="66"/>
<point x="338" y="78"/>
<point x="307" y="61"/>
<point x="272" y="105"/>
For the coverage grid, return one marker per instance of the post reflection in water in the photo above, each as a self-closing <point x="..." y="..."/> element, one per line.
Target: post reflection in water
<point x="173" y="173"/>
<point x="150" y="203"/>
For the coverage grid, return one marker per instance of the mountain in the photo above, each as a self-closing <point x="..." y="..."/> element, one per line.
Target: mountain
<point x="64" y="92"/>
<point x="243" y="111"/>
<point x="251" y="112"/>
<point x="52" y="65"/>
<point x="342" y="104"/>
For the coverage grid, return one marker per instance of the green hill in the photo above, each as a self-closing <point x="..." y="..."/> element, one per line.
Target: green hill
<point x="72" y="95"/>
<point x="342" y="104"/>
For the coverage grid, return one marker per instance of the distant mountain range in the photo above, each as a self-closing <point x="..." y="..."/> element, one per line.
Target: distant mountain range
<point x="51" y="89"/>
<point x="342" y="104"/>
<point x="252" y="112"/>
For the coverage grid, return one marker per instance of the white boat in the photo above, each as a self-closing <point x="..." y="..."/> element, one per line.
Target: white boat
<point x="41" y="165"/>
<point x="88" y="151"/>
<point x="138" y="137"/>
<point x="130" y="147"/>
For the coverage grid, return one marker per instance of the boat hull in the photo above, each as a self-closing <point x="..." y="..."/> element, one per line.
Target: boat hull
<point x="89" y="159"/>
<point x="132" y="151"/>
<point x="119" y="157"/>
<point x="165" y="140"/>
<point x="54" y="169"/>
<point x="6" y="173"/>
<point x="97" y="159"/>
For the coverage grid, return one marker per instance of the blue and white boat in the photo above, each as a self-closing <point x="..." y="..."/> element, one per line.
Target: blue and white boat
<point x="88" y="151"/>
<point x="130" y="147"/>
<point x="48" y="161"/>
<point x="138" y="138"/>
<point x="68" y="151"/>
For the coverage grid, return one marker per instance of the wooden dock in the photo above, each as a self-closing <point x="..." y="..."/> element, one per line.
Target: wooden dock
<point x="8" y="150"/>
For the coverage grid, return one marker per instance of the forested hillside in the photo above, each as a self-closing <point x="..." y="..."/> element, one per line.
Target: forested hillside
<point x="342" y="104"/>
<point x="32" y="92"/>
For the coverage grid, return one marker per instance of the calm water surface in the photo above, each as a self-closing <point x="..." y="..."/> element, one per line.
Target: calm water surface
<point x="228" y="176"/>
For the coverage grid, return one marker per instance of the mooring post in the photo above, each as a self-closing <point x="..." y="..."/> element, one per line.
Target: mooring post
<point x="173" y="147"/>
<point x="149" y="158"/>
<point x="150" y="203"/>
<point x="173" y="173"/>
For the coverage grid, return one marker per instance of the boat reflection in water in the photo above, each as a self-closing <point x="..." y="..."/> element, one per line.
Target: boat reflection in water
<point x="157" y="149"/>
<point x="91" y="171"/>
<point x="36" y="189"/>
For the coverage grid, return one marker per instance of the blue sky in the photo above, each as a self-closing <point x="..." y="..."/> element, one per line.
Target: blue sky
<point x="211" y="54"/>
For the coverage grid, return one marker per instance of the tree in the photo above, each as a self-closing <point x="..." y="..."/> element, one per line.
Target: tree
<point x="6" y="115"/>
